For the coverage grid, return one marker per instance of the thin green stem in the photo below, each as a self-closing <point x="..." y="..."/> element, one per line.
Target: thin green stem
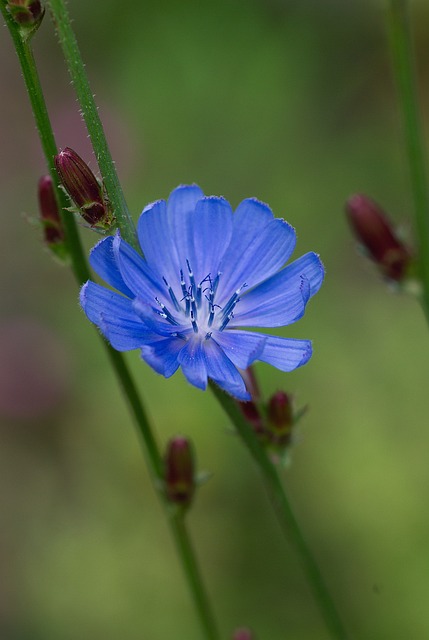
<point x="37" y="100"/>
<point x="187" y="553"/>
<point x="284" y="513"/>
<point x="93" y="123"/>
<point x="405" y="76"/>
<point x="82" y="273"/>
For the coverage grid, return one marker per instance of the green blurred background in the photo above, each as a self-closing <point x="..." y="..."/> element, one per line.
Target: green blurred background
<point x="291" y="101"/>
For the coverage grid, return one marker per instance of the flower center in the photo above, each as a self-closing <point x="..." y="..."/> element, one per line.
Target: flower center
<point x="197" y="305"/>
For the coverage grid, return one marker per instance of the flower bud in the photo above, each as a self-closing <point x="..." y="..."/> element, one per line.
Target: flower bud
<point x="179" y="471"/>
<point x="83" y="188"/>
<point x="375" y="232"/>
<point x="251" y="412"/>
<point x="27" y="13"/>
<point x="251" y="383"/>
<point x="280" y="418"/>
<point x="243" y="634"/>
<point x="50" y="218"/>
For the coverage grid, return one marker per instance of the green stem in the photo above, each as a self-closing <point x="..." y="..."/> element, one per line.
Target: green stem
<point x="82" y="273"/>
<point x="187" y="553"/>
<point x="405" y="76"/>
<point x="37" y="100"/>
<point x="284" y="513"/>
<point x="93" y="123"/>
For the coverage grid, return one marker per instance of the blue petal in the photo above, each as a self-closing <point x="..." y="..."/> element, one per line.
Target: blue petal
<point x="263" y="309"/>
<point x="193" y="363"/>
<point x="223" y="372"/>
<point x="124" y="335"/>
<point x="286" y="354"/>
<point x="181" y="219"/>
<point x="96" y="300"/>
<point x="135" y="271"/>
<point x="162" y="355"/>
<point x="252" y="259"/>
<point x="114" y="316"/>
<point x="103" y="261"/>
<point x="308" y="265"/>
<point x="157" y="243"/>
<point x="241" y="347"/>
<point x="212" y="228"/>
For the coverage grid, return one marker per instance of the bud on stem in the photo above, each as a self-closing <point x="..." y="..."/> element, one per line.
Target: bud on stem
<point x="280" y="419"/>
<point x="50" y="217"/>
<point x="27" y="13"/>
<point x="83" y="188"/>
<point x="375" y="232"/>
<point x="179" y="471"/>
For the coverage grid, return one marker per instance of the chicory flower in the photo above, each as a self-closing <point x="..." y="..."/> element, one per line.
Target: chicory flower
<point x="207" y="272"/>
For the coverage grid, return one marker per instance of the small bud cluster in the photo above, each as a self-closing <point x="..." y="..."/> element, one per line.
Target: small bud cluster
<point x="375" y="232"/>
<point x="272" y="421"/>
<point x="83" y="188"/>
<point x="50" y="218"/>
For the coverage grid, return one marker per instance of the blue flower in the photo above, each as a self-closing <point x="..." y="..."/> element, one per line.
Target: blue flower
<point x="206" y="273"/>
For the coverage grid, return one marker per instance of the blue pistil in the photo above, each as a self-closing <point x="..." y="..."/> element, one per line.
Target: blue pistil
<point x="194" y="324"/>
<point x="165" y="313"/>
<point x="226" y="320"/>
<point x="185" y="292"/>
<point x="173" y="296"/>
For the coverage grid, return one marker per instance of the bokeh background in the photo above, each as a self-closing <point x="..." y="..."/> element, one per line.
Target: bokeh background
<point x="291" y="101"/>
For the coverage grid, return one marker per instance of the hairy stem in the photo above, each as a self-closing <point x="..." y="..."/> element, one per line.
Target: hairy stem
<point x="92" y="120"/>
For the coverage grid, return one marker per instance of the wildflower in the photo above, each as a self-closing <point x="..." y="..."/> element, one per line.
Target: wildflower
<point x="207" y="272"/>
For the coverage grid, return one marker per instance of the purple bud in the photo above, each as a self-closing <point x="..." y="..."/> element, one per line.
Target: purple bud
<point x="28" y="13"/>
<point x="280" y="417"/>
<point x="375" y="232"/>
<point x="179" y="471"/>
<point x="251" y="383"/>
<point x="49" y="213"/>
<point x="83" y="188"/>
<point x="243" y="634"/>
<point x="251" y="412"/>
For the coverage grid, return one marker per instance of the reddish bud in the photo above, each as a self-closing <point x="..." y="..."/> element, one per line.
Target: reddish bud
<point x="49" y="214"/>
<point x="179" y="471"/>
<point x="27" y="13"/>
<point x="251" y="412"/>
<point x="375" y="232"/>
<point x="243" y="634"/>
<point x="83" y="188"/>
<point x="280" y="417"/>
<point x="251" y="383"/>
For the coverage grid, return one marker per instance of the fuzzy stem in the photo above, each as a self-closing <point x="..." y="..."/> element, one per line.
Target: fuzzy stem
<point x="92" y="120"/>
<point x="284" y="513"/>
<point x="402" y="54"/>
<point x="44" y="128"/>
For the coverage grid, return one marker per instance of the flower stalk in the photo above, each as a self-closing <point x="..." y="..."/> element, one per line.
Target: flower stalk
<point x="284" y="513"/>
<point x="405" y="76"/>
<point x="92" y="120"/>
